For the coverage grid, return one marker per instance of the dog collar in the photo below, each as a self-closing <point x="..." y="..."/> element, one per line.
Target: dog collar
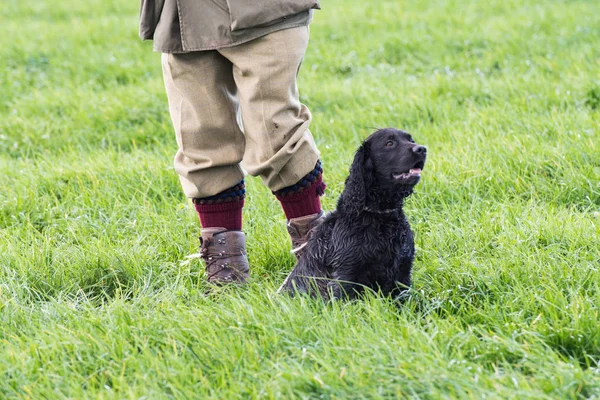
<point x="391" y="210"/>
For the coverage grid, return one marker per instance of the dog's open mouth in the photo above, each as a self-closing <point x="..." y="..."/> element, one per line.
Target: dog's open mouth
<point x="414" y="171"/>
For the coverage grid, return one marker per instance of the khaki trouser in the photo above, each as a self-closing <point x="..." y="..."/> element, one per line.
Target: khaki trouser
<point x="209" y="91"/>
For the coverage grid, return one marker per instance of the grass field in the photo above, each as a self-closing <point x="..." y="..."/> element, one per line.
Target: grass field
<point x="98" y="299"/>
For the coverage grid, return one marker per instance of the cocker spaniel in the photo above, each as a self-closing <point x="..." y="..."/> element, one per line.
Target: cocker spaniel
<point x="367" y="241"/>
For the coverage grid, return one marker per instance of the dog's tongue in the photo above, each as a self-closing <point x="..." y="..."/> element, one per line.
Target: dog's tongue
<point x="415" y="171"/>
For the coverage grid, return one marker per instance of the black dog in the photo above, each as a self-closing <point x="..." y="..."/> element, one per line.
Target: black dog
<point x="366" y="242"/>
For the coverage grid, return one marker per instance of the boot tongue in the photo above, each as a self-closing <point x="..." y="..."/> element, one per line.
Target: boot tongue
<point x="302" y="225"/>
<point x="212" y="231"/>
<point x="302" y="229"/>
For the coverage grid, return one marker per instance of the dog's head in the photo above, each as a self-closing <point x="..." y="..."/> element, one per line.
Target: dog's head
<point x="386" y="167"/>
<point x="397" y="159"/>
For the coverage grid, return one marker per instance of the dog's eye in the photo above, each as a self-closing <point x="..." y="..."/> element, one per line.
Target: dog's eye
<point x="389" y="143"/>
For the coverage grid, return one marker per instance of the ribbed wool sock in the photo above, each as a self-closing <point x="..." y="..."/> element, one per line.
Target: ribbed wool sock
<point x="303" y="198"/>
<point x="223" y="209"/>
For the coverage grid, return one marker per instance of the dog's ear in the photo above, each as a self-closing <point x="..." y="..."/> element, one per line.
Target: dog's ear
<point x="354" y="196"/>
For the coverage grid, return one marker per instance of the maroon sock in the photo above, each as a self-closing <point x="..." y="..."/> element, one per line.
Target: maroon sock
<point x="223" y="210"/>
<point x="303" y="198"/>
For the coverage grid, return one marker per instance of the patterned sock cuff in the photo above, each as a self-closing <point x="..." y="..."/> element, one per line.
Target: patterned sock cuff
<point x="308" y="180"/>
<point x="235" y="193"/>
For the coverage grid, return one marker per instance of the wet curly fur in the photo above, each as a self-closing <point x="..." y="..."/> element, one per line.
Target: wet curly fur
<point x="367" y="241"/>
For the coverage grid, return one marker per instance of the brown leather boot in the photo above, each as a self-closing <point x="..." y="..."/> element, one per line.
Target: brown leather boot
<point x="299" y="230"/>
<point x="224" y="254"/>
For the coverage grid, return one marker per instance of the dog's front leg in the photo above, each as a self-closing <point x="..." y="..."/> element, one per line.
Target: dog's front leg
<point x="347" y="290"/>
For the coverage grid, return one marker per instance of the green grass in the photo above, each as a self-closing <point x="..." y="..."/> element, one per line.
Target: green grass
<point x="98" y="299"/>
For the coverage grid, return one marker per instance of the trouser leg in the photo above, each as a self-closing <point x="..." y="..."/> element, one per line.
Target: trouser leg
<point x="279" y="145"/>
<point x="203" y="105"/>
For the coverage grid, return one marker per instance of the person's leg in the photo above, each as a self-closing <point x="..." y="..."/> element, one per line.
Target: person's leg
<point x="279" y="146"/>
<point x="204" y="107"/>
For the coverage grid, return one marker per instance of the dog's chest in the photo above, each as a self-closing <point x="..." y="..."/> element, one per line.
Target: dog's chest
<point x="376" y="248"/>
<point x="388" y="263"/>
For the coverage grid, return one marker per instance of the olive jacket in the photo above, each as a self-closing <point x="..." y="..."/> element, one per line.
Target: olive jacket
<point x="181" y="26"/>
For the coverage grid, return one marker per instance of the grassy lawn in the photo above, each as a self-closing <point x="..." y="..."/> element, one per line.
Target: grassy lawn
<point x="98" y="299"/>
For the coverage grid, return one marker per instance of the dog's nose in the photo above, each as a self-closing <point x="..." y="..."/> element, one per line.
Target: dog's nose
<point x="420" y="150"/>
